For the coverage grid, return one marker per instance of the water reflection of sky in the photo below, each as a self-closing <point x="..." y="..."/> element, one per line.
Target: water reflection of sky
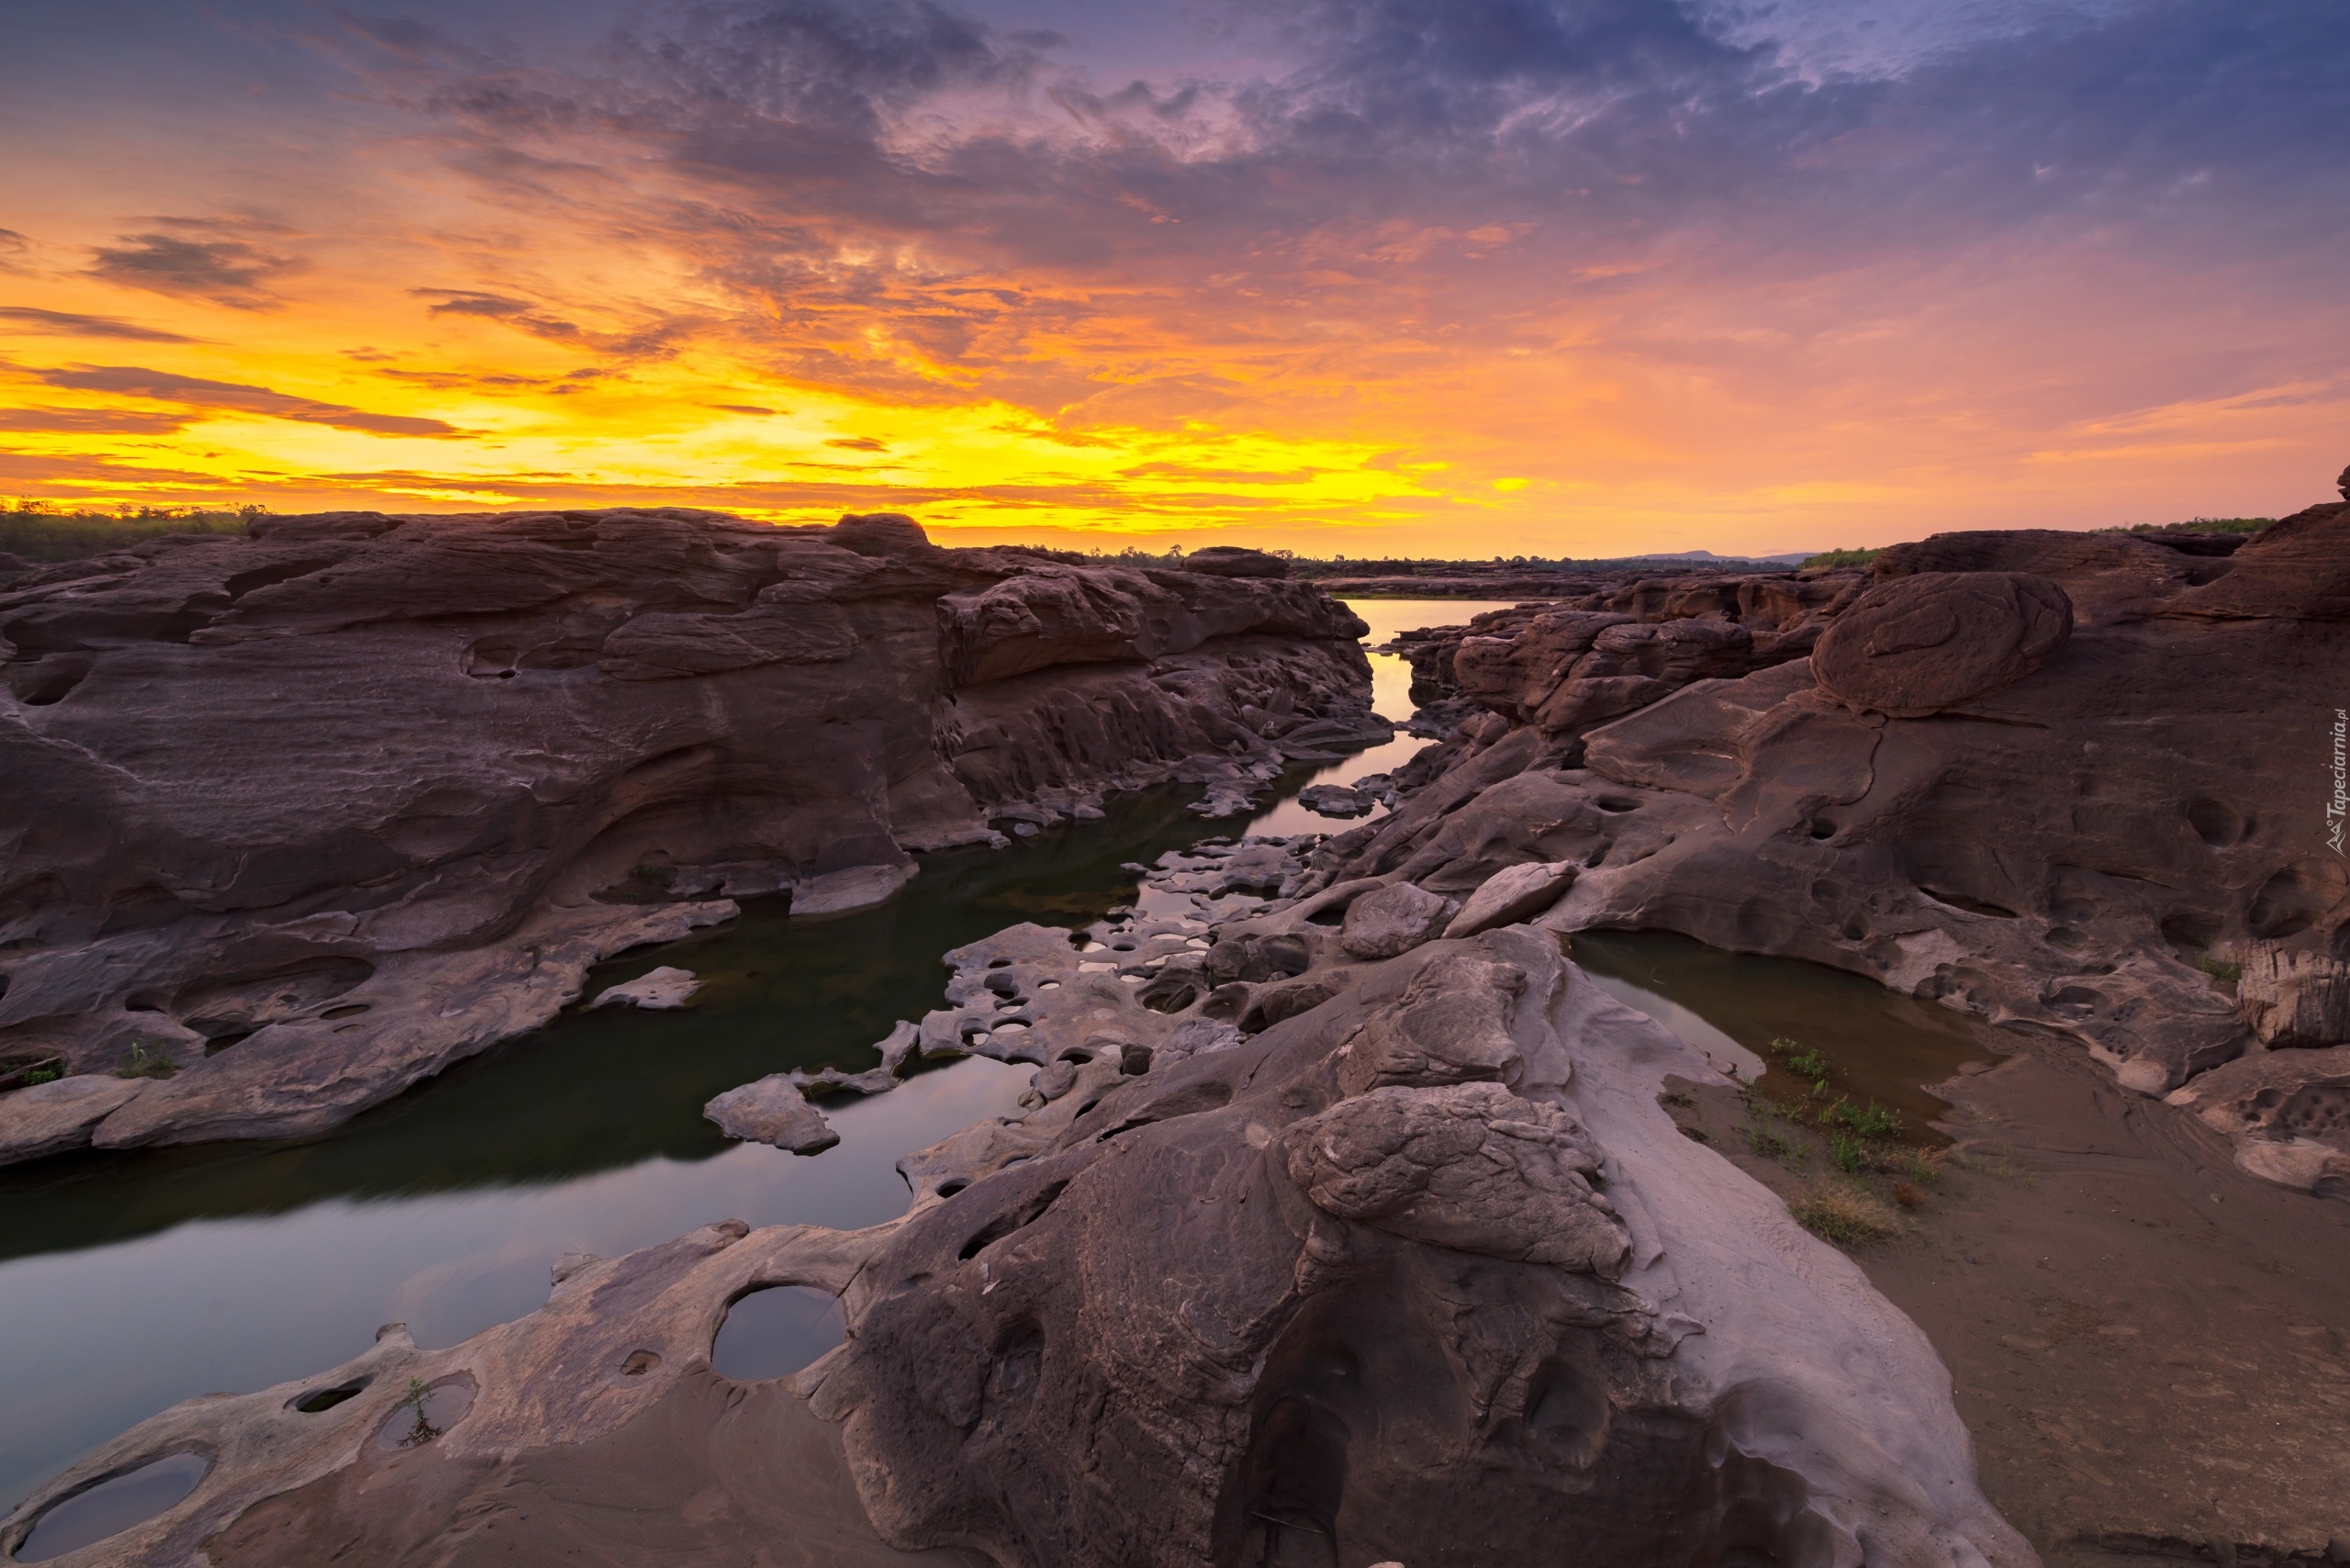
<point x="99" y="1340"/>
<point x="153" y="1277"/>
<point x="1391" y="697"/>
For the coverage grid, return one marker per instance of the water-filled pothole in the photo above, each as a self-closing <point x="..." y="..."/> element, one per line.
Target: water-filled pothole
<point x="777" y="1331"/>
<point x="427" y="1413"/>
<point x="1873" y="1046"/>
<point x="112" y="1507"/>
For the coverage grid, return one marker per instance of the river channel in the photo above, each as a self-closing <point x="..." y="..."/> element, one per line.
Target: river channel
<point x="129" y="1281"/>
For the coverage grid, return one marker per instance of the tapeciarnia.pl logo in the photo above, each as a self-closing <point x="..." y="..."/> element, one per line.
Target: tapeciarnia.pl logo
<point x="2337" y="809"/>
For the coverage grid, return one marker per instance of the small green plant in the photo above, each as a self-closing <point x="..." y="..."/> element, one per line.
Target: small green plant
<point x="1772" y="1145"/>
<point x="1874" y="1122"/>
<point x="23" y="1072"/>
<point x="1843" y="1212"/>
<point x="423" y="1431"/>
<point x="141" y="1062"/>
<point x="2220" y="968"/>
<point x="1849" y="1153"/>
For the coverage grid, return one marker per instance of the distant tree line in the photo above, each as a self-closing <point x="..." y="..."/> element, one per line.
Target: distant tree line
<point x="38" y="531"/>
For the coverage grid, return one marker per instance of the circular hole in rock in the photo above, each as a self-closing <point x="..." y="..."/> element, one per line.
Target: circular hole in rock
<point x="320" y="1399"/>
<point x="948" y="1189"/>
<point x="639" y="1363"/>
<point x="2217" y="824"/>
<point x="776" y="1331"/>
<point x="427" y="1413"/>
<point x="1616" y="804"/>
<point x="1823" y="829"/>
<point x="112" y="1507"/>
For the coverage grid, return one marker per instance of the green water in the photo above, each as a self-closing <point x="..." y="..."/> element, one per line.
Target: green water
<point x="130" y="1281"/>
<point x="1880" y="1046"/>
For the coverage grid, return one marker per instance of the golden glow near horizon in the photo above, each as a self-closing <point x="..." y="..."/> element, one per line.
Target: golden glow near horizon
<point x="1173" y="327"/>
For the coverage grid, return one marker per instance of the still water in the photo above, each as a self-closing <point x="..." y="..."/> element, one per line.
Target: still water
<point x="129" y="1281"/>
<point x="1391" y="694"/>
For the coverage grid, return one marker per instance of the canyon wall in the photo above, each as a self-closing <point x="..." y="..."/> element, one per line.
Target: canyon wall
<point x="2082" y="783"/>
<point x="294" y="820"/>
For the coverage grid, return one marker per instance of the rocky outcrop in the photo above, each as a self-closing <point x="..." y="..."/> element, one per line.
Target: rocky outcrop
<point x="295" y="820"/>
<point x="2058" y="779"/>
<point x="1422" y="1272"/>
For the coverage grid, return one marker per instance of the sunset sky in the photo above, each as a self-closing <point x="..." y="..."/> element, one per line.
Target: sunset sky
<point x="1462" y="277"/>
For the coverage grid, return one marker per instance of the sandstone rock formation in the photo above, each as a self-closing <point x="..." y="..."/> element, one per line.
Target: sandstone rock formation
<point x="297" y="818"/>
<point x="1394" y="920"/>
<point x="2061" y="780"/>
<point x="1424" y="1272"/>
<point x="663" y="990"/>
<point x="1335" y="801"/>
<point x="773" y="1110"/>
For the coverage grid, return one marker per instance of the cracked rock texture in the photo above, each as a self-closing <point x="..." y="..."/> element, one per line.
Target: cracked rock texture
<point x="313" y="813"/>
<point x="2067" y="781"/>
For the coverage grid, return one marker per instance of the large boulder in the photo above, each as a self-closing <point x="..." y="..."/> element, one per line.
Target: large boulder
<point x="1246" y="1312"/>
<point x="1921" y="644"/>
<point x="1234" y="561"/>
<point x="1394" y="920"/>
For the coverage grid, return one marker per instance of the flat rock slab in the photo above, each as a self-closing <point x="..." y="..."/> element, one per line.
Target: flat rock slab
<point x="663" y="990"/>
<point x="1335" y="801"/>
<point x="1512" y="895"/>
<point x="50" y="1118"/>
<point x="773" y="1111"/>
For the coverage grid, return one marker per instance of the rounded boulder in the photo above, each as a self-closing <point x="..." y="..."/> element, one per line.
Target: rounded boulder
<point x="1921" y="644"/>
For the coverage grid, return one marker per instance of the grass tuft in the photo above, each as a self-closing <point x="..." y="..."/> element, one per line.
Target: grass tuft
<point x="1844" y="1214"/>
<point x="141" y="1062"/>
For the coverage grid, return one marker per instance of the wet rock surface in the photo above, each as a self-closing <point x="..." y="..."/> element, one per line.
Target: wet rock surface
<point x="2065" y="781"/>
<point x="311" y="814"/>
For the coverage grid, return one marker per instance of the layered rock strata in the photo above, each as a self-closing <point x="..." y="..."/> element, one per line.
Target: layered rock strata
<point x="2074" y="782"/>
<point x="1419" y="1273"/>
<point x="295" y="820"/>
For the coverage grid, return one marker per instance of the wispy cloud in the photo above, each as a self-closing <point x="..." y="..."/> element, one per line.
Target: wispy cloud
<point x="67" y="324"/>
<point x="195" y="261"/>
<point x="192" y="392"/>
<point x="89" y="421"/>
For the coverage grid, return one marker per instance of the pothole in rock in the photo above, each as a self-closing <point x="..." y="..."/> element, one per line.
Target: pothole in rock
<point x="776" y="1331"/>
<point x="112" y="1507"/>
<point x="319" y="1400"/>
<point x="425" y="1414"/>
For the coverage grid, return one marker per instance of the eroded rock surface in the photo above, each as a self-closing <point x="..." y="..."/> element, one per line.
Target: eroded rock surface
<point x="313" y="813"/>
<point x="1221" y="1298"/>
<point x="2063" y="779"/>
